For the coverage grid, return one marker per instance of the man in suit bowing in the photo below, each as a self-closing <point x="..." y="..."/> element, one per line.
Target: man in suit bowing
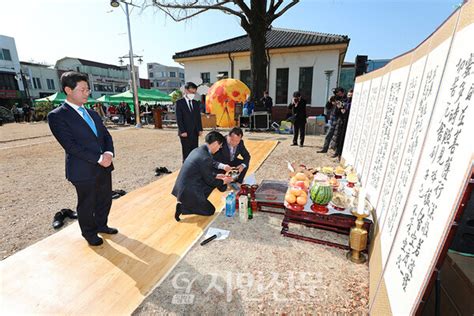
<point x="188" y="117"/>
<point x="198" y="178"/>
<point x="228" y="156"/>
<point x="89" y="151"/>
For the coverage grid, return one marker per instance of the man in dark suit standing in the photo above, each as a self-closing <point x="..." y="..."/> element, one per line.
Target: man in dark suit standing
<point x="89" y="151"/>
<point x="267" y="102"/>
<point x="198" y="178"/>
<point x="227" y="156"/>
<point x="298" y="111"/>
<point x="188" y="117"/>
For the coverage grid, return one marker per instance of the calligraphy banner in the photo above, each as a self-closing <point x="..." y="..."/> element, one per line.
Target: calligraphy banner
<point x="351" y="125"/>
<point x="411" y="143"/>
<point x="444" y="165"/>
<point x="375" y="127"/>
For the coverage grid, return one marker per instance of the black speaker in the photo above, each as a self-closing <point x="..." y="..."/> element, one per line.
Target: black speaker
<point x="260" y="120"/>
<point x="360" y="65"/>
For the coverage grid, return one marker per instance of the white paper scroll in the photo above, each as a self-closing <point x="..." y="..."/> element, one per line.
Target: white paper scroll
<point x="445" y="162"/>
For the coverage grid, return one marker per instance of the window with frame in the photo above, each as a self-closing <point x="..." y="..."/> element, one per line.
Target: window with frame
<point x="8" y="82"/>
<point x="223" y="74"/>
<point x="50" y="84"/>
<point x="5" y="54"/>
<point x="150" y="75"/>
<point x="181" y="75"/>
<point x="206" y="77"/>
<point x="281" y="85"/>
<point x="172" y="74"/>
<point x="305" y="86"/>
<point x="246" y="77"/>
<point x="37" y="83"/>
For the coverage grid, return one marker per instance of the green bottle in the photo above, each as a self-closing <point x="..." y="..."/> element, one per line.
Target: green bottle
<point x="250" y="213"/>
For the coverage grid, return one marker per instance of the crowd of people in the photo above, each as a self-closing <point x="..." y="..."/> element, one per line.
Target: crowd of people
<point x="337" y="115"/>
<point x="23" y="113"/>
<point x="121" y="113"/>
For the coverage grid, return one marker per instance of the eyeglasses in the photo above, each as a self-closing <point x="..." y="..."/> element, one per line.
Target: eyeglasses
<point x="88" y="91"/>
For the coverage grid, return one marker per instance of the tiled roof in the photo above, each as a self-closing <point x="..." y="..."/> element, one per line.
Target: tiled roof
<point x="276" y="38"/>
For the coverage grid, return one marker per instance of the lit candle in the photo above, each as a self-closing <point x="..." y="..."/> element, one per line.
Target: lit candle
<point x="361" y="202"/>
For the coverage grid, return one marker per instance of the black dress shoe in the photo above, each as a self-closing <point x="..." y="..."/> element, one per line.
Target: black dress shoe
<point x="294" y="144"/>
<point x="58" y="220"/>
<point x="301" y="145"/>
<point x="115" y="195"/>
<point x="108" y="230"/>
<point x="322" y="151"/>
<point x="178" y="212"/>
<point x="164" y="170"/>
<point x="94" y="240"/>
<point x="69" y="213"/>
<point x="335" y="156"/>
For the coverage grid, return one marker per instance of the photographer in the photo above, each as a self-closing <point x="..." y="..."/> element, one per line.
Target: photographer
<point x="298" y="110"/>
<point x="334" y="106"/>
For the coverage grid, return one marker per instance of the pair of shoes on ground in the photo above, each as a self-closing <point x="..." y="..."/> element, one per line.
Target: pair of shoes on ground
<point x="118" y="193"/>
<point x="96" y="240"/>
<point x="59" y="217"/>
<point x="294" y="144"/>
<point x="161" y="170"/>
<point x="323" y="151"/>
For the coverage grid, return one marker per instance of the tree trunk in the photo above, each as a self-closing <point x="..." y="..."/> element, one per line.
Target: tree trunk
<point x="258" y="57"/>
<point x="258" y="63"/>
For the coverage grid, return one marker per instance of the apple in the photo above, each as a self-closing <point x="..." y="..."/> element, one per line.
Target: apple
<point x="301" y="184"/>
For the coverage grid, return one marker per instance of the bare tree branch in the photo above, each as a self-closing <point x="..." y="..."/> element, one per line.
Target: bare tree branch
<point x="244" y="7"/>
<point x="202" y="7"/>
<point x="276" y="16"/>
<point x="274" y="7"/>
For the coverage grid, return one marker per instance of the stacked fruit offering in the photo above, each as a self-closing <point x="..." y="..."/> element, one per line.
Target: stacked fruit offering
<point x="297" y="195"/>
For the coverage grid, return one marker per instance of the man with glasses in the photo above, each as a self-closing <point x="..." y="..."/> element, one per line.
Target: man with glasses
<point x="89" y="151"/>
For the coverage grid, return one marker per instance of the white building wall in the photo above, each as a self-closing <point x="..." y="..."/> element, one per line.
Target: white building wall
<point x="12" y="66"/>
<point x="319" y="60"/>
<point x="43" y="73"/>
<point x="193" y="69"/>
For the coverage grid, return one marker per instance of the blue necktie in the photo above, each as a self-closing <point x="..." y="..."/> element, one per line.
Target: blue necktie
<point x="88" y="120"/>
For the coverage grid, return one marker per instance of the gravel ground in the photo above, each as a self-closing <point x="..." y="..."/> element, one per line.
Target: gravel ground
<point x="34" y="188"/>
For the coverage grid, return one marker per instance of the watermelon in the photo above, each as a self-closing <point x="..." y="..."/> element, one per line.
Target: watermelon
<point x="321" y="193"/>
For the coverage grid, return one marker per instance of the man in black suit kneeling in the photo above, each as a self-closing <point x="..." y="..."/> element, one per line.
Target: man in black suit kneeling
<point x="198" y="178"/>
<point x="228" y="156"/>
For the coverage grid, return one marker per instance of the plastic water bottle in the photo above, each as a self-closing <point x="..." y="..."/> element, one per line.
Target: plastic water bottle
<point x="243" y="208"/>
<point x="230" y="204"/>
<point x="233" y="203"/>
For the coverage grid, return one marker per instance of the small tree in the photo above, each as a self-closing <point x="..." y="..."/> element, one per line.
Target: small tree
<point x="256" y="19"/>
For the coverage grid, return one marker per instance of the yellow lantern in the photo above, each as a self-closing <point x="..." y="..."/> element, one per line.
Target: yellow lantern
<point x="222" y="97"/>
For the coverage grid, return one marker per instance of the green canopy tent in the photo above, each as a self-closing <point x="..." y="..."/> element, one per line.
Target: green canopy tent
<point x="144" y="95"/>
<point x="58" y="98"/>
<point x="104" y="99"/>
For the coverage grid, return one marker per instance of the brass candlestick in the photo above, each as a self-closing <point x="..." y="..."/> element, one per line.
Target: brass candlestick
<point x="358" y="239"/>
